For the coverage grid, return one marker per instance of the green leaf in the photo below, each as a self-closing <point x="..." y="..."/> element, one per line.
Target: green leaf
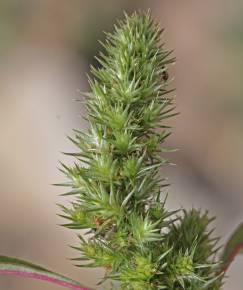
<point x="233" y="247"/>
<point x="16" y="267"/>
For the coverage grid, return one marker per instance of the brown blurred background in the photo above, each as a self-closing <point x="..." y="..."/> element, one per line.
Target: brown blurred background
<point x="45" y="51"/>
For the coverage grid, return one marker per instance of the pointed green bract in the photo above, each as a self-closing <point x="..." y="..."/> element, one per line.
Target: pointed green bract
<point x="118" y="196"/>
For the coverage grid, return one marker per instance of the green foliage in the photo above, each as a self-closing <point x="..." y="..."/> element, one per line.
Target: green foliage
<point x="118" y="196"/>
<point x="233" y="247"/>
<point x="20" y="268"/>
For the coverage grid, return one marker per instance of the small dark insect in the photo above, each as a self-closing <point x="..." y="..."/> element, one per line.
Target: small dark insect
<point x="165" y="75"/>
<point x="98" y="221"/>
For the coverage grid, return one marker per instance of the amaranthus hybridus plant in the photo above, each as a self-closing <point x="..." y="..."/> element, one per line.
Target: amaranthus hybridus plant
<point x="119" y="197"/>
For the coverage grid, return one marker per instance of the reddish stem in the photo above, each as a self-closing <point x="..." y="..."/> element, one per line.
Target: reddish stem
<point x="232" y="256"/>
<point x="68" y="285"/>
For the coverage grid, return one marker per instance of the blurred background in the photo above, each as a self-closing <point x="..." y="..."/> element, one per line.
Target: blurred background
<point x="46" y="48"/>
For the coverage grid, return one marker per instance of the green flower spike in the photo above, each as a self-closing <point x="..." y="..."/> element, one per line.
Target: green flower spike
<point x="118" y="196"/>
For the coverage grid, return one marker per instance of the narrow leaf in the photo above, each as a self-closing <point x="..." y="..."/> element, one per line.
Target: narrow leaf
<point x="233" y="247"/>
<point x="16" y="267"/>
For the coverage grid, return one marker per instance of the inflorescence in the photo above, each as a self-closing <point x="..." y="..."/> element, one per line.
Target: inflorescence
<point x="118" y="195"/>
